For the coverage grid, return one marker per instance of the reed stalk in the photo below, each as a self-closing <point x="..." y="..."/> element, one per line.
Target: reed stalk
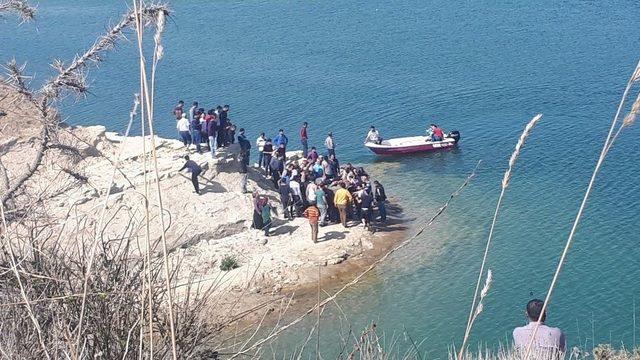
<point x="505" y="183"/>
<point x="138" y="6"/>
<point x="609" y="141"/>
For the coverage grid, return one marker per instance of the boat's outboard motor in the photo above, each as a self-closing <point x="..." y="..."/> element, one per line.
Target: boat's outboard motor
<point x="455" y="135"/>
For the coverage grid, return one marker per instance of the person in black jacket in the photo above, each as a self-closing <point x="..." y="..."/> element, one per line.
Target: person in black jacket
<point x="222" y="126"/>
<point x="366" y="204"/>
<point x="267" y="152"/>
<point x="224" y="118"/>
<point x="245" y="146"/>
<point x="277" y="168"/>
<point x="381" y="197"/>
<point x="195" y="172"/>
<point x="196" y="131"/>
<point x="285" y="198"/>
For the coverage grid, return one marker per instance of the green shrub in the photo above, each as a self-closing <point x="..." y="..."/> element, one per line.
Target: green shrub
<point x="229" y="263"/>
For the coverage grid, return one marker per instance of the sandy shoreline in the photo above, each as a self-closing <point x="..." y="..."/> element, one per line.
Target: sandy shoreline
<point x="303" y="295"/>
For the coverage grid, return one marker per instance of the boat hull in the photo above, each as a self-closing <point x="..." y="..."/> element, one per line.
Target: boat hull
<point x="409" y="146"/>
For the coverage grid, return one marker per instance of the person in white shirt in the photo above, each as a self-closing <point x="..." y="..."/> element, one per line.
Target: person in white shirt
<point x="260" y="141"/>
<point x="183" y="128"/>
<point x="549" y="342"/>
<point x="330" y="144"/>
<point x="311" y="192"/>
<point x="296" y="193"/>
<point x="373" y="136"/>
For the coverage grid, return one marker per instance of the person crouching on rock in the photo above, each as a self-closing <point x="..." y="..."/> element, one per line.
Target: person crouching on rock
<point x="195" y="172"/>
<point x="313" y="214"/>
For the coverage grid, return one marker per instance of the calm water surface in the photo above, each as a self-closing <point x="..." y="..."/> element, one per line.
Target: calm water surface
<point x="484" y="68"/>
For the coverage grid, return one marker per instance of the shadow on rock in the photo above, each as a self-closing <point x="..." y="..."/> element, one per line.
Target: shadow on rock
<point x="334" y="235"/>
<point x="285" y="230"/>
<point x="211" y="186"/>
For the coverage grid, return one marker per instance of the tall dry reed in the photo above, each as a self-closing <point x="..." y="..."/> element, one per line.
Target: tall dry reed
<point x="609" y="141"/>
<point x="505" y="183"/>
<point x="148" y="98"/>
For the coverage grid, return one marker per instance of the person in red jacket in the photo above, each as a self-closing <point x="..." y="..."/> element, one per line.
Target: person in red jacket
<point x="436" y="133"/>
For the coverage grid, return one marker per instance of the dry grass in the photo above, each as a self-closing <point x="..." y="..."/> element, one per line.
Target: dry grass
<point x="600" y="352"/>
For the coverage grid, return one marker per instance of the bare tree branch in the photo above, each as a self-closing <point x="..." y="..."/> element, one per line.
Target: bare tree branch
<point x="26" y="12"/>
<point x="16" y="79"/>
<point x="73" y="77"/>
<point x="31" y="168"/>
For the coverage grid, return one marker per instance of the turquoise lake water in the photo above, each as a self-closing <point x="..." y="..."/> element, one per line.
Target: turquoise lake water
<point x="484" y="68"/>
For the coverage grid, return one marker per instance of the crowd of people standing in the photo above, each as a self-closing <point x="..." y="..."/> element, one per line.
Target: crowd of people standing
<point x="314" y="185"/>
<point x="198" y="126"/>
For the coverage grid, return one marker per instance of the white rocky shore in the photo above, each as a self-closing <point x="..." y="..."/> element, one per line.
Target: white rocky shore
<point x="200" y="229"/>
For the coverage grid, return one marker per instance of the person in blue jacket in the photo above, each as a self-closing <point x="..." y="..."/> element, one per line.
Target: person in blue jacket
<point x="281" y="139"/>
<point x="195" y="172"/>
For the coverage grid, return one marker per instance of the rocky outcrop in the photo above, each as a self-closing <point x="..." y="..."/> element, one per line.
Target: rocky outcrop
<point x="85" y="196"/>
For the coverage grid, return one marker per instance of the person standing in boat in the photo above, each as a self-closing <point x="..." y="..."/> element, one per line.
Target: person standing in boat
<point x="373" y="136"/>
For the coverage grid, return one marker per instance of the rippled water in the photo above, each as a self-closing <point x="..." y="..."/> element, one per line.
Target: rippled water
<point x="484" y="68"/>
